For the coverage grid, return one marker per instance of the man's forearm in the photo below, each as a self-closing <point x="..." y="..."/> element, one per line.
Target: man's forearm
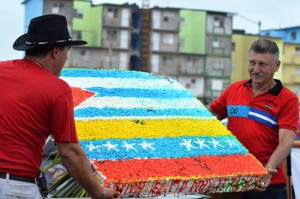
<point x="278" y="157"/>
<point x="282" y="151"/>
<point x="78" y="166"/>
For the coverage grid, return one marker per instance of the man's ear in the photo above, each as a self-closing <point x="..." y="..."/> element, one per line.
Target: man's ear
<point x="55" y="53"/>
<point x="277" y="66"/>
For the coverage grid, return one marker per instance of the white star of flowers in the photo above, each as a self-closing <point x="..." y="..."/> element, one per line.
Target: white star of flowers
<point x="187" y="144"/>
<point x="230" y="142"/>
<point x="129" y="146"/>
<point x="201" y="143"/>
<point x="91" y="147"/>
<point x="216" y="143"/>
<point x="111" y="146"/>
<point x="146" y="145"/>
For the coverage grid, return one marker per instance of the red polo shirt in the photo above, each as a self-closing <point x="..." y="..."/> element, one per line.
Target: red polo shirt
<point x="256" y="121"/>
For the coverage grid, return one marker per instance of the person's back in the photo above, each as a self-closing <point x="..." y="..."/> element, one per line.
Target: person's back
<point x="28" y="96"/>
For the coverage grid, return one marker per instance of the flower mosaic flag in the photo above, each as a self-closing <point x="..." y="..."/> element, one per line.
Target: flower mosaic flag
<point x="149" y="136"/>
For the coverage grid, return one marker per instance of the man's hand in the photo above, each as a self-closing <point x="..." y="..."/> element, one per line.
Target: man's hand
<point x="261" y="187"/>
<point x="110" y="193"/>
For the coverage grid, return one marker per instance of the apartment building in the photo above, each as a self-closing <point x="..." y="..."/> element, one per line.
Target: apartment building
<point x="218" y="50"/>
<point x="193" y="46"/>
<point x="108" y="29"/>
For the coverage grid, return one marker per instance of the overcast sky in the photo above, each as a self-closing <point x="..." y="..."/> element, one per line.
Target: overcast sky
<point x="272" y="14"/>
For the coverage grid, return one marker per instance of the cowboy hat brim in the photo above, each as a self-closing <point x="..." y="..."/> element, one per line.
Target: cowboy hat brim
<point x="21" y="45"/>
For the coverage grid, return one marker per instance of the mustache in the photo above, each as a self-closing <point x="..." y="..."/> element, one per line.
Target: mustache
<point x="257" y="74"/>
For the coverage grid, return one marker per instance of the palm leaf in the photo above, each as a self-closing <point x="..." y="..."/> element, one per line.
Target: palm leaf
<point x="66" y="186"/>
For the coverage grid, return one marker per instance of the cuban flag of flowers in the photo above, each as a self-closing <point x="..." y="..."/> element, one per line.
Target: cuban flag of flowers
<point x="149" y="136"/>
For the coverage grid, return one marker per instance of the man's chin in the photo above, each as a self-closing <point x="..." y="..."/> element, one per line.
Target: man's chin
<point x="257" y="80"/>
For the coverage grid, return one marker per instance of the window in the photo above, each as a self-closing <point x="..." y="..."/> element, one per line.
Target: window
<point x="112" y="12"/>
<point x="293" y="36"/>
<point x="82" y="52"/>
<point x="216" y="43"/>
<point x="79" y="13"/>
<point x="56" y="8"/>
<point x="298" y="71"/>
<point x="181" y="21"/>
<point x="168" y="39"/>
<point x="111" y="34"/>
<point x="189" y="61"/>
<point x="78" y="35"/>
<point x="167" y="16"/>
<point x="232" y="46"/>
<point x="218" y="22"/>
<point x="297" y="51"/>
<point x="167" y="60"/>
<point x="222" y="23"/>
<point x="181" y="43"/>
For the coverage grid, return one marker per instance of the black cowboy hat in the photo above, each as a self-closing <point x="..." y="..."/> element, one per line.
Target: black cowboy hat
<point x="45" y="32"/>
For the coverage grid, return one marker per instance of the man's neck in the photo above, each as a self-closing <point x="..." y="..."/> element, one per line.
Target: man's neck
<point x="35" y="60"/>
<point x="261" y="88"/>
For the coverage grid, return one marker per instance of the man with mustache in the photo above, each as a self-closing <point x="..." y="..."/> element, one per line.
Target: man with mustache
<point x="263" y="115"/>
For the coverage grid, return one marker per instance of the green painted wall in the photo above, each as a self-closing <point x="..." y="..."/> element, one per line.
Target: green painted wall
<point x="193" y="31"/>
<point x="90" y="24"/>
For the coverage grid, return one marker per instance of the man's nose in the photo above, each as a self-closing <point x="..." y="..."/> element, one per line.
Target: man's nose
<point x="256" y="68"/>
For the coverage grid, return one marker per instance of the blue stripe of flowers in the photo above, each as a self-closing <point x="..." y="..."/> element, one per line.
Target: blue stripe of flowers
<point x="162" y="147"/>
<point x="90" y="112"/>
<point x="108" y="74"/>
<point x="140" y="93"/>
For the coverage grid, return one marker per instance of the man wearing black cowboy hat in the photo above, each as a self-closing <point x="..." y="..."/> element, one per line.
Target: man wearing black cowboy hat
<point x="35" y="103"/>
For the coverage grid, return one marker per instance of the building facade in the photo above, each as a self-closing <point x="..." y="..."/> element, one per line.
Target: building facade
<point x="193" y="46"/>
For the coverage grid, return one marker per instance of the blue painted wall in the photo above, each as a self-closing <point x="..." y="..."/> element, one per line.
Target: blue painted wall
<point x="33" y="8"/>
<point x="285" y="34"/>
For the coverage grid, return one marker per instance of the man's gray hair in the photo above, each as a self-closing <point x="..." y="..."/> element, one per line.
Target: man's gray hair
<point x="265" y="46"/>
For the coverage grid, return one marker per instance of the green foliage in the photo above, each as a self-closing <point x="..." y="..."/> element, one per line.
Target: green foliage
<point x="66" y="186"/>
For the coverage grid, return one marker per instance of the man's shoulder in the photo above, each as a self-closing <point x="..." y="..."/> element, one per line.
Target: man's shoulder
<point x="60" y="83"/>
<point x="238" y="84"/>
<point x="288" y="93"/>
<point x="53" y="82"/>
<point x="9" y="62"/>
